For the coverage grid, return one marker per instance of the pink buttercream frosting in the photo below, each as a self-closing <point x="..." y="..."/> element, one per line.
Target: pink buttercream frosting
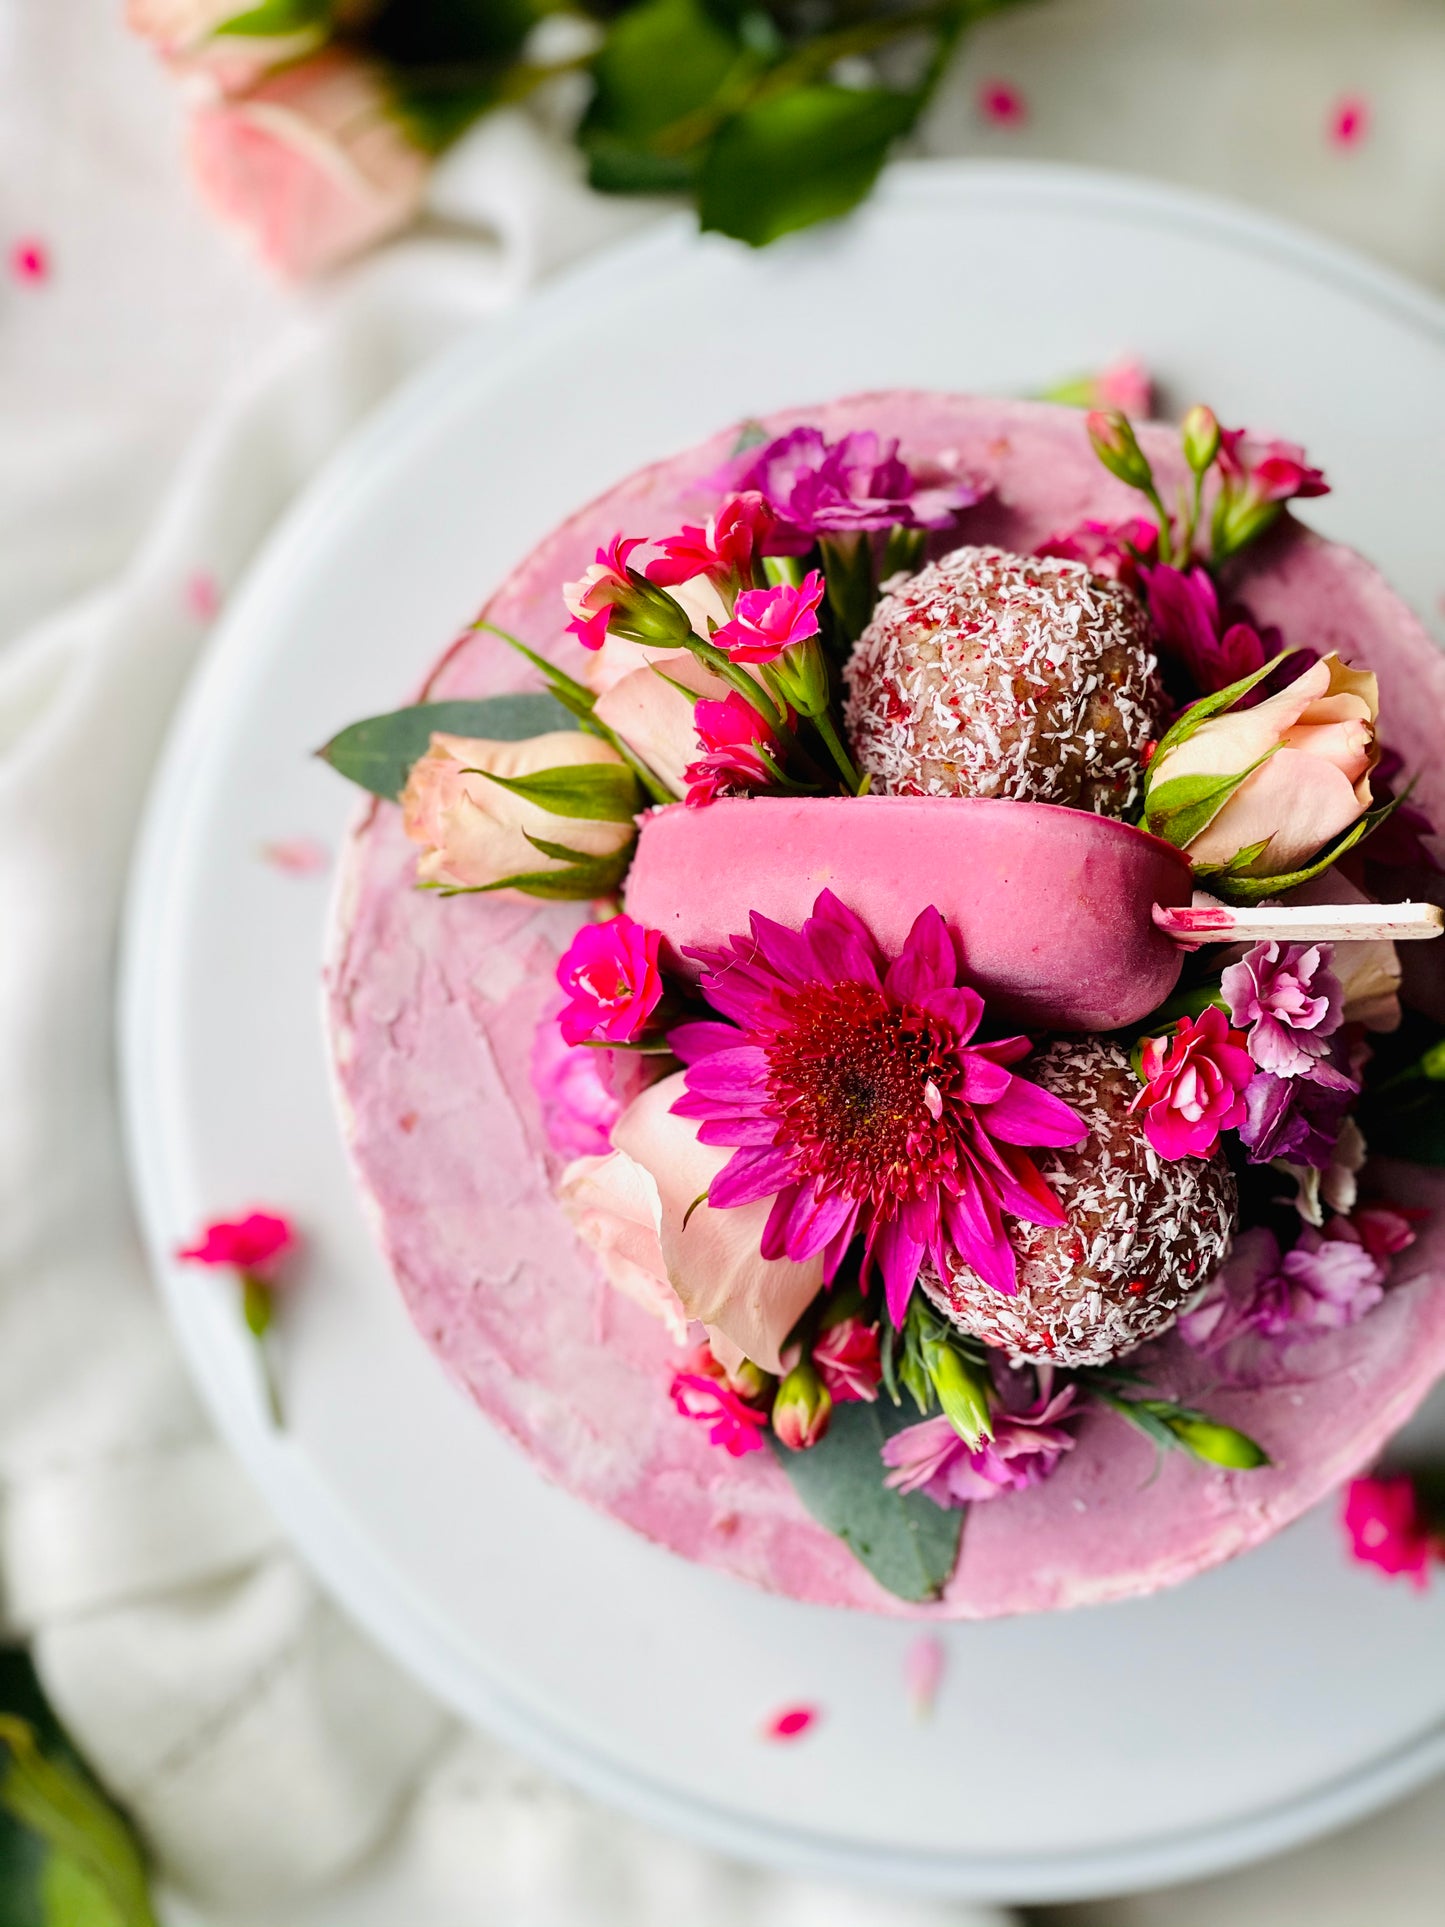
<point x="433" y="1005"/>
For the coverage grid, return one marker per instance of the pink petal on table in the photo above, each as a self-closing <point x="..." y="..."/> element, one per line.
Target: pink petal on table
<point x="1349" y="121"/>
<point x="203" y="596"/>
<point x="791" y="1723"/>
<point x="296" y="856"/>
<point x="1001" y="104"/>
<point x="30" y="260"/>
<point x="923" y="1668"/>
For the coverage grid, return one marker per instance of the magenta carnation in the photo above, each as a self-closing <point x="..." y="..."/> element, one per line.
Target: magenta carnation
<point x="1325" y="1283"/>
<point x="1192" y="629"/>
<point x="857" y="1103"/>
<point x="847" y="487"/>
<point x="612" y="977"/>
<point x="733" y="738"/>
<point x="725" y="547"/>
<point x="765" y="622"/>
<point x="256" y="1243"/>
<point x="702" y="1393"/>
<point x="1025" y="1448"/>
<point x="1383" y="1521"/>
<point x="1289" y="1001"/>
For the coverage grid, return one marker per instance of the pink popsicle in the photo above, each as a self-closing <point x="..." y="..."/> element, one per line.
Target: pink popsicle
<point x="1052" y="907"/>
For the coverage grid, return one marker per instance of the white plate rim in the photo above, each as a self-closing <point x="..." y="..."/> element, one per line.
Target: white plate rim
<point x="319" y="1530"/>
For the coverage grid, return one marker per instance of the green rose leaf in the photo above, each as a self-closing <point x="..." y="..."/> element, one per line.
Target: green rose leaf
<point x="799" y="157"/>
<point x="595" y="792"/>
<point x="378" y="753"/>
<point x="909" y="1544"/>
<point x="658" y="79"/>
<point x="1198" y="714"/>
<point x="578" y="876"/>
<point x="1254" y="889"/>
<point x="276" y="17"/>
<point x="1184" y="806"/>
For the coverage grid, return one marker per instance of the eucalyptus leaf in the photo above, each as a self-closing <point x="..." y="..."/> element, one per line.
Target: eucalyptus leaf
<point x="799" y="157"/>
<point x="378" y="753"/>
<point x="909" y="1544"/>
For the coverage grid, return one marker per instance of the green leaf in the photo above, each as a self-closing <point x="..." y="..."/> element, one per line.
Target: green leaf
<point x="661" y="63"/>
<point x="909" y="1544"/>
<point x="580" y="876"/>
<point x="1185" y="806"/>
<point x="276" y="17"/>
<point x="378" y="753"/>
<point x="72" y="1897"/>
<point x="56" y="1802"/>
<point x="593" y="792"/>
<point x="1199" y="713"/>
<point x="1252" y="889"/>
<point x="799" y="157"/>
<point x="616" y="166"/>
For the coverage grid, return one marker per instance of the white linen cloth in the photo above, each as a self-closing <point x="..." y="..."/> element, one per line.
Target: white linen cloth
<point x="286" y="1775"/>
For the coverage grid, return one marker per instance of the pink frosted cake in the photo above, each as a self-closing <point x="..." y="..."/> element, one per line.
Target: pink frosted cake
<point x="903" y="1005"/>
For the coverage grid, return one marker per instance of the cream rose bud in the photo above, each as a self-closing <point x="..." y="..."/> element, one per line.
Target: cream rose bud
<point x="654" y="718"/>
<point x="1318" y="736"/>
<point x="474" y="832"/>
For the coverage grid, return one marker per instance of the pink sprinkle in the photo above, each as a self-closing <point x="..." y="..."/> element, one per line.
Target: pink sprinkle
<point x="923" y="1669"/>
<point x="792" y="1723"/>
<point x="203" y="596"/>
<point x="1001" y="104"/>
<point x="1349" y="121"/>
<point x="297" y="856"/>
<point x="30" y="260"/>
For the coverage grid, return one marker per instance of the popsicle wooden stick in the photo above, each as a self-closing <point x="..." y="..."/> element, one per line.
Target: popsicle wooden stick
<point x="1301" y="923"/>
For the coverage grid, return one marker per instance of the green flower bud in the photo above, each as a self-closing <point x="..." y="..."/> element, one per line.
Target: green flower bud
<point x="803" y="1408"/>
<point x="1199" y="432"/>
<point x="1117" y="447"/>
<point x="963" y="1393"/>
<point x="800" y="677"/>
<point x="1433" y="1062"/>
<point x="1215" y="1444"/>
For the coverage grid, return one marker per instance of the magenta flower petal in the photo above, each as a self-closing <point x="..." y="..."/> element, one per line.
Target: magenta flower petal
<point x="927" y="962"/>
<point x="961" y="1010"/>
<point x="690" y="1042"/>
<point x="751" y="1175"/>
<point x="1025" y="1114"/>
<point x="899" y="1257"/>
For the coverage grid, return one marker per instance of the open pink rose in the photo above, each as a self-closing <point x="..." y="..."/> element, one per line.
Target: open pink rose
<point x="1318" y="736"/>
<point x="313" y="161"/>
<point x="474" y="832"/>
<point x="713" y="1257"/>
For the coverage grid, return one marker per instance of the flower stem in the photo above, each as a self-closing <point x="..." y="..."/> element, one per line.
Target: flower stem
<point x="824" y="725"/>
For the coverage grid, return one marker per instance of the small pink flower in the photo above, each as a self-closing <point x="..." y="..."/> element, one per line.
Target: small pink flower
<point x="1126" y="385"/>
<point x="1113" y="550"/>
<point x="846" y="1356"/>
<point x="611" y="972"/>
<point x="726" y="547"/>
<point x="791" y="1723"/>
<point x="1025" y="1448"/>
<point x="1383" y="1520"/>
<point x="256" y="1243"/>
<point x="1289" y="1001"/>
<point x="602" y="585"/>
<point x="1184" y="608"/>
<point x="1194" y="1085"/>
<point x="30" y="260"/>
<point x="1349" y="121"/>
<point x="1267" y="471"/>
<point x="733" y="736"/>
<point x="203" y="596"/>
<point x="803" y="1408"/>
<point x="1002" y="104"/>
<point x="768" y="621"/>
<point x="701" y="1392"/>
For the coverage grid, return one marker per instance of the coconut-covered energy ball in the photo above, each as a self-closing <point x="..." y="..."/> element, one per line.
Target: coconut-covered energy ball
<point x="1144" y="1233"/>
<point x="990" y="674"/>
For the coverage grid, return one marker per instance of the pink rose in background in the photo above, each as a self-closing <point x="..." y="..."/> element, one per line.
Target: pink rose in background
<point x="615" y="1208"/>
<point x="187" y="34"/>
<point x="846" y="1356"/>
<point x="702" y="1393"/>
<point x="765" y="622"/>
<point x="1385" y="1527"/>
<point x="713" y="1257"/>
<point x="1288" y="1000"/>
<point x="1025" y="1448"/>
<point x="726" y="548"/>
<point x="611" y="976"/>
<point x="1194" y="1085"/>
<point x="474" y="832"/>
<point x="654" y="716"/>
<point x="1318" y="738"/>
<point x="579" y="1107"/>
<point x="733" y="737"/>
<point x="312" y="162"/>
<point x="256" y="1244"/>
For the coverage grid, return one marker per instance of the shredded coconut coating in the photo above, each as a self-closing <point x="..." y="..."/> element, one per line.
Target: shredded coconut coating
<point x="1144" y="1233"/>
<point x="989" y="674"/>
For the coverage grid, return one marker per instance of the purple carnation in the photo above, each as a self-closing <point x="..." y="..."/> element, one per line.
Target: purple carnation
<point x="1298" y="1118"/>
<point x="1328" y="1281"/>
<point x="817" y="487"/>
<point x="1289" y="1000"/>
<point x="1025" y="1448"/>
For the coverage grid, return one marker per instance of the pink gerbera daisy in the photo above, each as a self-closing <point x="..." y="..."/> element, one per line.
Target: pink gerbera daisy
<point x="850" y="1087"/>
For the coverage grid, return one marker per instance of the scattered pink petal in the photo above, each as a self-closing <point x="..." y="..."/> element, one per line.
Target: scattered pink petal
<point x="296" y="856"/>
<point x="1002" y="104"/>
<point x="791" y="1723"/>
<point x="1349" y="121"/>
<point x="30" y="260"/>
<point x="923" y="1669"/>
<point x="203" y="596"/>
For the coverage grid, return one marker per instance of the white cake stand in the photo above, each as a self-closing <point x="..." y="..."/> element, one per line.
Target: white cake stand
<point x="1123" y="1747"/>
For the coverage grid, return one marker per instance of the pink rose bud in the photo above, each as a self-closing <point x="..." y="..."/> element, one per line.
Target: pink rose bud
<point x="313" y="162"/>
<point x="474" y="831"/>
<point x="803" y="1408"/>
<point x="1117" y="447"/>
<point x="1294" y="773"/>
